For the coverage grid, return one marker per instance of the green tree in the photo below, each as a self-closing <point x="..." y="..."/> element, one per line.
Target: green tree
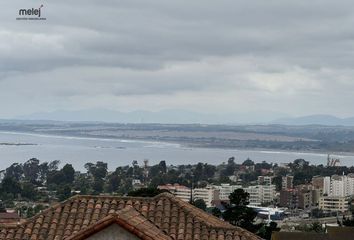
<point x="31" y="170"/>
<point x="237" y="212"/>
<point x="317" y="227"/>
<point x="200" y="203"/>
<point x="15" y="171"/>
<point x="198" y="172"/>
<point x="263" y="165"/>
<point x="239" y="197"/>
<point x="209" y="170"/>
<point x="82" y="184"/>
<point x="10" y="185"/>
<point x="216" y="212"/>
<point x="248" y="162"/>
<point x="230" y="167"/>
<point x="43" y="172"/>
<point x="159" y="169"/>
<point x="277" y="181"/>
<point x="29" y="212"/>
<point x="265" y="231"/>
<point x="69" y="173"/>
<point x="348" y="222"/>
<point x="56" y="178"/>
<point x="64" y="192"/>
<point x="98" y="172"/>
<point x="163" y="166"/>
<point x="38" y="208"/>
<point x="53" y="166"/>
<point x="29" y="191"/>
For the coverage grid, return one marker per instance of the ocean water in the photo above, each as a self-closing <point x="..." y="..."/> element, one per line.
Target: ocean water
<point x="78" y="151"/>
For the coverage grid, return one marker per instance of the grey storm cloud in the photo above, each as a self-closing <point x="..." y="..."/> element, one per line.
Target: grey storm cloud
<point x="209" y="56"/>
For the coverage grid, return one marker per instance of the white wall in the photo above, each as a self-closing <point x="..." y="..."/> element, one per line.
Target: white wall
<point x="113" y="232"/>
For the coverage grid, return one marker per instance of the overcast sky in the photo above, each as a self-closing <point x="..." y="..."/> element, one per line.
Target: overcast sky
<point x="293" y="57"/>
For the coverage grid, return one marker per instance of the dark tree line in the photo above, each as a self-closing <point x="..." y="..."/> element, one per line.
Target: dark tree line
<point x="47" y="181"/>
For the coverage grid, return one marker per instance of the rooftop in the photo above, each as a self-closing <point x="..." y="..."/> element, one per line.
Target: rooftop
<point x="80" y="215"/>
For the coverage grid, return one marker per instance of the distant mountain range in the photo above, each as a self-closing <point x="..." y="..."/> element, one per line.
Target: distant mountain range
<point x="328" y="120"/>
<point x="164" y="116"/>
<point x="186" y="117"/>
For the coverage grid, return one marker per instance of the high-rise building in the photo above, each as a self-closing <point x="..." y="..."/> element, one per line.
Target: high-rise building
<point x="289" y="198"/>
<point x="349" y="184"/>
<point x="300" y="197"/>
<point x="287" y="182"/>
<point x="316" y="194"/>
<point x="342" y="185"/>
<point x="303" y="196"/>
<point x="324" y="183"/>
<point x="337" y="186"/>
<point x="304" y="192"/>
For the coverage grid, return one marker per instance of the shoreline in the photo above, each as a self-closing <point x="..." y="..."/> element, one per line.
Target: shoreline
<point x="171" y="143"/>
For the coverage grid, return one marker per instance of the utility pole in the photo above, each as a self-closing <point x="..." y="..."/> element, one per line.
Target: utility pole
<point x="192" y="186"/>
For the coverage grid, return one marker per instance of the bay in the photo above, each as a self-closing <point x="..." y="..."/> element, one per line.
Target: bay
<point x="78" y="151"/>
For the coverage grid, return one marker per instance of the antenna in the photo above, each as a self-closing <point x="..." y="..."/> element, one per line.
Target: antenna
<point x="146" y="170"/>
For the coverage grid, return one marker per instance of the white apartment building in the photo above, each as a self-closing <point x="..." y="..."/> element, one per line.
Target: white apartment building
<point x="342" y="185"/>
<point x="260" y="194"/>
<point x="225" y="190"/>
<point x="350" y="184"/>
<point x="268" y="193"/>
<point x="208" y="194"/>
<point x="326" y="185"/>
<point x="179" y="191"/>
<point x="337" y="186"/>
<point x="255" y="193"/>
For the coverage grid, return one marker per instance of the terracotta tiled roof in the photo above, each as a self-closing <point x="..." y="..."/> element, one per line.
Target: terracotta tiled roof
<point x="9" y="215"/>
<point x="180" y="220"/>
<point x="129" y="219"/>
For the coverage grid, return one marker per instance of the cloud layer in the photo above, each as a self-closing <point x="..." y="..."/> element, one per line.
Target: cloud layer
<point x="294" y="57"/>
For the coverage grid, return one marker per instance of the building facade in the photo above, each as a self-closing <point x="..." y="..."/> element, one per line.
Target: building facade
<point x="265" y="180"/>
<point x="334" y="203"/>
<point x="225" y="190"/>
<point x="324" y="183"/>
<point x="208" y="194"/>
<point x="260" y="194"/>
<point x="289" y="198"/>
<point x="342" y="185"/>
<point x="180" y="191"/>
<point x="287" y="182"/>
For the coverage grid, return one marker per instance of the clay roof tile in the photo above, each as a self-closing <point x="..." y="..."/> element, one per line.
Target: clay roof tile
<point x="162" y="217"/>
